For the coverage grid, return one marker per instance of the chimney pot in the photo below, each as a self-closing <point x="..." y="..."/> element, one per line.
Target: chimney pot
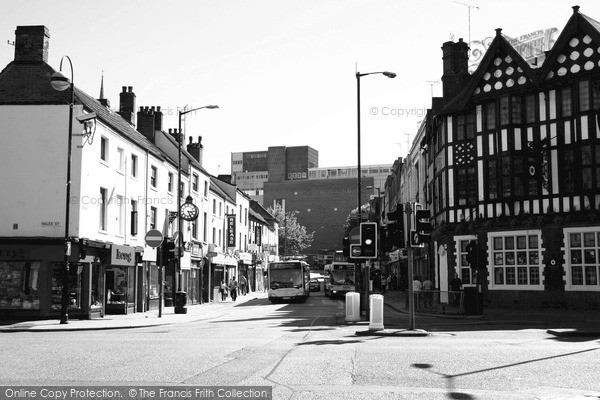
<point x="575" y="9"/>
<point x="191" y="140"/>
<point x="124" y="89"/>
<point x="129" y="88"/>
<point x="498" y="31"/>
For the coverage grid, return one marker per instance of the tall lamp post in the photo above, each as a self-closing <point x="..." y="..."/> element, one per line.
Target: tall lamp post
<point x="179" y="194"/>
<point x="61" y="83"/>
<point x="359" y="214"/>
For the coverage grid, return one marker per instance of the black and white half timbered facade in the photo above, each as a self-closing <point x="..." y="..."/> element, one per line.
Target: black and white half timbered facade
<point x="514" y="164"/>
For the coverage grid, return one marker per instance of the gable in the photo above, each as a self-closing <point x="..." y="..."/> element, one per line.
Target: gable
<point x="581" y="54"/>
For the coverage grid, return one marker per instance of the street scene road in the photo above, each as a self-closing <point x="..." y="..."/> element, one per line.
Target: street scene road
<point x="307" y="351"/>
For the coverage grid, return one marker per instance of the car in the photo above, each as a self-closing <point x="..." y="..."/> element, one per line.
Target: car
<point x="315" y="285"/>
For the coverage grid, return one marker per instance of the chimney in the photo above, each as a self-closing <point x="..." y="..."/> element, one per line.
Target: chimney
<point x="31" y="44"/>
<point x="455" y="58"/>
<point x="158" y="117"/>
<point x="145" y="123"/>
<point x="196" y="149"/>
<point x="127" y="104"/>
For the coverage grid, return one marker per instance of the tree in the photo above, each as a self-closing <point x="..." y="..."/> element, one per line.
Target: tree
<point x="352" y="218"/>
<point x="293" y="237"/>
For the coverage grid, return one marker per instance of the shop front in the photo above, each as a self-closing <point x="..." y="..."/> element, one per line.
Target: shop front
<point x="246" y="269"/>
<point x="196" y="282"/>
<point x="32" y="274"/>
<point x="224" y="267"/>
<point x="120" y="278"/>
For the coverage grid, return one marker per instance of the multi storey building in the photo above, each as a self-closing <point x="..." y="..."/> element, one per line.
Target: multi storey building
<point x="123" y="183"/>
<point x="512" y="163"/>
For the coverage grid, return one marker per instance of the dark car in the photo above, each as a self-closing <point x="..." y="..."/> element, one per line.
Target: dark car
<point x="315" y="285"/>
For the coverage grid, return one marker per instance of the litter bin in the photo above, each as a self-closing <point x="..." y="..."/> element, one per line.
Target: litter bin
<point x="472" y="301"/>
<point x="180" y="303"/>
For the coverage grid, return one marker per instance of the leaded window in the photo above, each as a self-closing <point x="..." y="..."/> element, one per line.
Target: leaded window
<point x="516" y="259"/>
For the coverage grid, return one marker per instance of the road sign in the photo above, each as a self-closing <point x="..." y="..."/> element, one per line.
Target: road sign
<point x="355" y="250"/>
<point x="154" y="238"/>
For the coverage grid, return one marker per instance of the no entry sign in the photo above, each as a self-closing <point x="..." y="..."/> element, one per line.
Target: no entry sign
<point x="154" y="238"/>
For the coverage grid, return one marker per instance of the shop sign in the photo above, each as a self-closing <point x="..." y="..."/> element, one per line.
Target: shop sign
<point x="196" y="250"/>
<point x="246" y="257"/>
<point x="258" y="235"/>
<point x="12" y="254"/>
<point x="122" y="255"/>
<point x="231" y="230"/>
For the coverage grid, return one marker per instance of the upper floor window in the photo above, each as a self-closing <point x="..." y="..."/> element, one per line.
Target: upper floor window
<point x="195" y="180"/>
<point x="530" y="109"/>
<point x="103" y="209"/>
<point x="153" y="176"/>
<point x="134" y="165"/>
<point x="214" y="206"/>
<point x="170" y="183"/>
<point x="104" y="149"/>
<point x="153" y="217"/>
<point x="465" y="127"/>
<point x="205" y="188"/>
<point x="566" y="102"/>
<point x="490" y="116"/>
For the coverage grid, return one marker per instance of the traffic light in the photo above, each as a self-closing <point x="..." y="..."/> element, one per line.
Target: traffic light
<point x="472" y="254"/>
<point x="423" y="228"/>
<point x="368" y="239"/>
<point x="395" y="229"/>
<point x="346" y="246"/>
<point x="168" y="250"/>
<point x="83" y="247"/>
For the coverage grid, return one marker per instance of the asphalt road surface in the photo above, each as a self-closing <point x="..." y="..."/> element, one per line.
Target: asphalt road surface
<point x="300" y="351"/>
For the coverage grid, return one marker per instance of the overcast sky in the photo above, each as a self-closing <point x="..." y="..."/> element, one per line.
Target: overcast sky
<point x="282" y="72"/>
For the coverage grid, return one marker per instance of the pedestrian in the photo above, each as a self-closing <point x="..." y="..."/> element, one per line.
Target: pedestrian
<point x="223" y="289"/>
<point x="428" y="292"/>
<point x="417" y="286"/>
<point x="233" y="288"/>
<point x="243" y="285"/>
<point x="383" y="284"/>
<point x="455" y="288"/>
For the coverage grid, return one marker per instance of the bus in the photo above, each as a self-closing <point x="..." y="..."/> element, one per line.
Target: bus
<point x="340" y="278"/>
<point x="288" y="280"/>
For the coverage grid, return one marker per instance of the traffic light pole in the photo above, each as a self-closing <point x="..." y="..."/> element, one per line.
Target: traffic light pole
<point x="409" y="253"/>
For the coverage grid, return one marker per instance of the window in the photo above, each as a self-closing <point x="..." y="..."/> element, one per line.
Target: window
<point x="220" y="209"/>
<point x="170" y="183"/>
<point x="205" y="225"/>
<point x="584" y="96"/>
<point x="104" y="149"/>
<point x="516" y="110"/>
<point x="103" y="208"/>
<point x="205" y="188"/>
<point x="121" y="157"/>
<point x="490" y="116"/>
<point x="20" y="284"/>
<point x="530" y="109"/>
<point x="134" y="166"/>
<point x="240" y="219"/>
<point x="566" y="103"/>
<point x="492" y="179"/>
<point x="134" y="217"/>
<point x="195" y="230"/>
<point x="516" y="260"/>
<point x="504" y="110"/>
<point x="465" y="268"/>
<point x="153" y="176"/>
<point x="214" y="207"/>
<point x="195" y="180"/>
<point x="214" y="235"/>
<point x="466" y="185"/>
<point x="153" y="217"/>
<point x="583" y="258"/>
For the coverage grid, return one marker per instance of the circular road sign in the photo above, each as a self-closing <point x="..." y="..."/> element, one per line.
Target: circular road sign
<point x="355" y="251"/>
<point x="154" y="238"/>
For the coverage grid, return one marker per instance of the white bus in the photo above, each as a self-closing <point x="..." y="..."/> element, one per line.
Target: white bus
<point x="340" y="278"/>
<point x="289" y="280"/>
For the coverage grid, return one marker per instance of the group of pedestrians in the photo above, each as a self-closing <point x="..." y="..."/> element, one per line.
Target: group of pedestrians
<point x="233" y="287"/>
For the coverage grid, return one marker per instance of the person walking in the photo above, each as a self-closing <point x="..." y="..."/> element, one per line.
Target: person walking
<point x="428" y="292"/>
<point x="223" y="289"/>
<point x="233" y="288"/>
<point x="456" y="287"/>
<point x="417" y="286"/>
<point x="243" y="285"/>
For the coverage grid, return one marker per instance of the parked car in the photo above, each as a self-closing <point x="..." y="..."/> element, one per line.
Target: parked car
<point x="315" y="285"/>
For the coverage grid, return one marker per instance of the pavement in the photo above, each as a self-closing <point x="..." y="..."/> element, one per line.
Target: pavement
<point x="562" y="323"/>
<point x="196" y="312"/>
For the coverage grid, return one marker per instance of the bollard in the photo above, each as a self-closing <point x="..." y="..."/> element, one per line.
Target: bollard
<point x="376" y="316"/>
<point x="352" y="307"/>
<point x="181" y="302"/>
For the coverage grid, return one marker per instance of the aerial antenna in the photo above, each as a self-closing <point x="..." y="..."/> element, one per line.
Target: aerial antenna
<point x="469" y="6"/>
<point x="431" y="84"/>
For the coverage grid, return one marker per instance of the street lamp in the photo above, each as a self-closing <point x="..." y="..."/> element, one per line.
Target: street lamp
<point x="179" y="195"/>
<point x="390" y="75"/>
<point x="61" y="83"/>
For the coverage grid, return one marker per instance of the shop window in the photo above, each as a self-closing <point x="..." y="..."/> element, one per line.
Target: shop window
<point x="466" y="272"/>
<point x="516" y="260"/>
<point x="19" y="284"/>
<point x="584" y="251"/>
<point x="74" y="298"/>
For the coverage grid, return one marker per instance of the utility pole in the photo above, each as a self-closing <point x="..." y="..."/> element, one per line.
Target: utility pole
<point x="411" y="298"/>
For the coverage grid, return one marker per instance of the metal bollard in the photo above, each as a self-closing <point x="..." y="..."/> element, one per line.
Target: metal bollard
<point x="352" y="307"/>
<point x="376" y="315"/>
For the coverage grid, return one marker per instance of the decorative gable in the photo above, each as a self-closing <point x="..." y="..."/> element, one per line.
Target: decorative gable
<point x="504" y="72"/>
<point x="580" y="54"/>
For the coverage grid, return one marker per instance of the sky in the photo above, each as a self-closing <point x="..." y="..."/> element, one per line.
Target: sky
<point x="281" y="71"/>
